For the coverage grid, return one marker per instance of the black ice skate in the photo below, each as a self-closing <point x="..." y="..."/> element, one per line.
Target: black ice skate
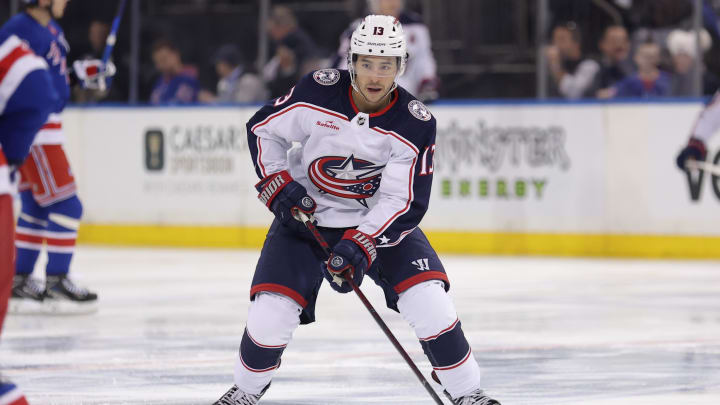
<point x="27" y="296"/>
<point x="476" y="397"/>
<point x="62" y="296"/>
<point x="235" y="396"/>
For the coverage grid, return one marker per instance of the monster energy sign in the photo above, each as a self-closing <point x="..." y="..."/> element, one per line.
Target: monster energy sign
<point x="502" y="162"/>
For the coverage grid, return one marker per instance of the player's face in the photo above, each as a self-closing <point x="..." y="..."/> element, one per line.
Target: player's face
<point x="57" y="8"/>
<point x="374" y="76"/>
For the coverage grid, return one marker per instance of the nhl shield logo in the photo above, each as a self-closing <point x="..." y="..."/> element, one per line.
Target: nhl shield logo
<point x="419" y="111"/>
<point x="327" y="77"/>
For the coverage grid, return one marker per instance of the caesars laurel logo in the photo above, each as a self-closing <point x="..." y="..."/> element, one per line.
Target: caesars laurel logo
<point x="154" y="150"/>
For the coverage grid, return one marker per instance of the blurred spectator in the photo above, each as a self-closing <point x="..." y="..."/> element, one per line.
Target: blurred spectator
<point x="177" y="84"/>
<point x="572" y="75"/>
<point x="97" y="33"/>
<point x="649" y="81"/>
<point x="683" y="49"/>
<point x="295" y="52"/>
<point x="660" y="13"/>
<point x="237" y="84"/>
<point x="654" y="19"/>
<point x="420" y="77"/>
<point x="615" y="62"/>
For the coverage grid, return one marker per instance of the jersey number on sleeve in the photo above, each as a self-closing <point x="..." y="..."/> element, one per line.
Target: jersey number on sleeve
<point x="282" y="100"/>
<point x="427" y="160"/>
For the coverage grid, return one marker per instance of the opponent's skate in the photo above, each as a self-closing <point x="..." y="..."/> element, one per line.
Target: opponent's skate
<point x="235" y="396"/>
<point x="27" y="296"/>
<point x="62" y="296"/>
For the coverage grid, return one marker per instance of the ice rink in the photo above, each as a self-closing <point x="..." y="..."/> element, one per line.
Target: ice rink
<point x="544" y="330"/>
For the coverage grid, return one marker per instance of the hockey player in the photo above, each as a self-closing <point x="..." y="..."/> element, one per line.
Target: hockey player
<point x="708" y="123"/>
<point x="364" y="172"/>
<point x="420" y="78"/>
<point x="26" y="99"/>
<point x="51" y="209"/>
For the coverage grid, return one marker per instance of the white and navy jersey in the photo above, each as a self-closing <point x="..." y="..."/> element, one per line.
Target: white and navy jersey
<point x="370" y="171"/>
<point x="421" y="67"/>
<point x="708" y="123"/>
<point x="26" y="96"/>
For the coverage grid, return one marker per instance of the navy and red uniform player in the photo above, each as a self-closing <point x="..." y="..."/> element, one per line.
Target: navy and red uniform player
<point x="26" y="99"/>
<point x="707" y="124"/>
<point x="51" y="210"/>
<point x="363" y="171"/>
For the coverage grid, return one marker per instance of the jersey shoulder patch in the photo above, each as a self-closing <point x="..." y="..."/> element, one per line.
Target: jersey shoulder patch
<point x="419" y="111"/>
<point x="327" y="77"/>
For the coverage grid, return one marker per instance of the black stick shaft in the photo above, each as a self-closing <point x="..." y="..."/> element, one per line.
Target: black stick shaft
<point x="326" y="248"/>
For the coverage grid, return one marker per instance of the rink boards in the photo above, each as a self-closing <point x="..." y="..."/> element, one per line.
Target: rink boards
<point x="559" y="179"/>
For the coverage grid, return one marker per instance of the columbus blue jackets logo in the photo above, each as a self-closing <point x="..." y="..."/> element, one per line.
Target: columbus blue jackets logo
<point x="419" y="111"/>
<point x="327" y="77"/>
<point x="346" y="177"/>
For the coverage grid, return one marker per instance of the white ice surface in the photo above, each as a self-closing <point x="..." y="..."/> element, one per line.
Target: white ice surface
<point x="545" y="331"/>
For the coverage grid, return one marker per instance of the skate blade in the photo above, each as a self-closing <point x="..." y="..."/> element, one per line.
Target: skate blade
<point x="24" y="306"/>
<point x="65" y="307"/>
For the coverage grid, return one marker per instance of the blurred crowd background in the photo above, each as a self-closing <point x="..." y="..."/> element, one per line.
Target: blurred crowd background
<point x="227" y="51"/>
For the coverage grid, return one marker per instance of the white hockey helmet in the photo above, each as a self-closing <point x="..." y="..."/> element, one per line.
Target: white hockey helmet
<point x="378" y="35"/>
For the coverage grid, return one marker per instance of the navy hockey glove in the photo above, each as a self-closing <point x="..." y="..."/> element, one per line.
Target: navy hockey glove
<point x="351" y="257"/>
<point x="695" y="149"/>
<point x="283" y="195"/>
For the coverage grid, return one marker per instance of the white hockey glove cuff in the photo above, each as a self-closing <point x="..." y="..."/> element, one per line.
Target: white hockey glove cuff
<point x="93" y="72"/>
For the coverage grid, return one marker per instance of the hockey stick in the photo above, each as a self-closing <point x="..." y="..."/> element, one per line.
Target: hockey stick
<point x="110" y="43"/>
<point x="326" y="248"/>
<point x="704" y="166"/>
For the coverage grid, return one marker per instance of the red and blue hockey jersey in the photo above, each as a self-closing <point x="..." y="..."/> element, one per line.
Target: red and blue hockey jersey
<point x="49" y="43"/>
<point x="26" y="98"/>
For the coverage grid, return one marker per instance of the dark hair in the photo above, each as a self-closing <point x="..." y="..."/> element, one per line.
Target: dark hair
<point x="572" y="28"/>
<point x="611" y="26"/>
<point x="164" y="43"/>
<point x="229" y="54"/>
<point x="397" y="59"/>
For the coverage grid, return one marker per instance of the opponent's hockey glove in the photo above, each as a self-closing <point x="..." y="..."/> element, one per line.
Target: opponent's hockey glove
<point x="92" y="73"/>
<point x="351" y="257"/>
<point x="695" y="149"/>
<point x="282" y="195"/>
